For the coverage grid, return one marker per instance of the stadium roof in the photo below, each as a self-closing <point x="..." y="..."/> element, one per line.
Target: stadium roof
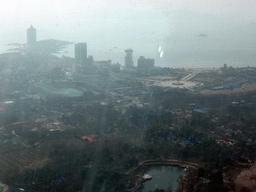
<point x="59" y="92"/>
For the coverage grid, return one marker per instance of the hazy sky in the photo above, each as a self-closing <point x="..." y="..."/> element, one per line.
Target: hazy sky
<point x="143" y="25"/>
<point x="24" y="9"/>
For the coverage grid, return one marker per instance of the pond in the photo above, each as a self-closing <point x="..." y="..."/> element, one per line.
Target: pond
<point x="163" y="177"/>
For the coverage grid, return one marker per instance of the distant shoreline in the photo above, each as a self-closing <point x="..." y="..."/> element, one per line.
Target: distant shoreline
<point x="51" y="46"/>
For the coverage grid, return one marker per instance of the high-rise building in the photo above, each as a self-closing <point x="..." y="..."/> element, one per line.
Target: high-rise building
<point x="31" y="36"/>
<point x="128" y="58"/>
<point x="144" y="63"/>
<point x="81" y="54"/>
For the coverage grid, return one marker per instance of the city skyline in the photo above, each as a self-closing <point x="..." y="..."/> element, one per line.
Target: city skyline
<point x="229" y="36"/>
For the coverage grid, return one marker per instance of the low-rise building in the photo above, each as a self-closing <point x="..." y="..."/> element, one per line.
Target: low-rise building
<point x="144" y="63"/>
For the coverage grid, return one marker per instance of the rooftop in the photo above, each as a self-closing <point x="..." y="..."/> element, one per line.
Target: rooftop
<point x="128" y="50"/>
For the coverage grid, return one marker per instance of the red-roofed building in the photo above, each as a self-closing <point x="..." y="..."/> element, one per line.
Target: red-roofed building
<point x="90" y="138"/>
<point x="223" y="141"/>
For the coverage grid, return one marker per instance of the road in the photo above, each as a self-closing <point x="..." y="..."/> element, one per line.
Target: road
<point x="190" y="76"/>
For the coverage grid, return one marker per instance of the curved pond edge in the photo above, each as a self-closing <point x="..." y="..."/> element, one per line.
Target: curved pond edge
<point x="172" y="162"/>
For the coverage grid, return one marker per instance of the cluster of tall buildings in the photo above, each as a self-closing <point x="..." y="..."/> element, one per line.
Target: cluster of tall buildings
<point x="82" y="60"/>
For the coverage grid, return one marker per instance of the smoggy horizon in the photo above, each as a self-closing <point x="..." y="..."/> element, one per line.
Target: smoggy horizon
<point x="190" y="34"/>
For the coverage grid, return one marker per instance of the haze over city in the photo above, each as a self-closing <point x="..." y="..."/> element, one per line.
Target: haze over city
<point x="112" y="26"/>
<point x="128" y="96"/>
